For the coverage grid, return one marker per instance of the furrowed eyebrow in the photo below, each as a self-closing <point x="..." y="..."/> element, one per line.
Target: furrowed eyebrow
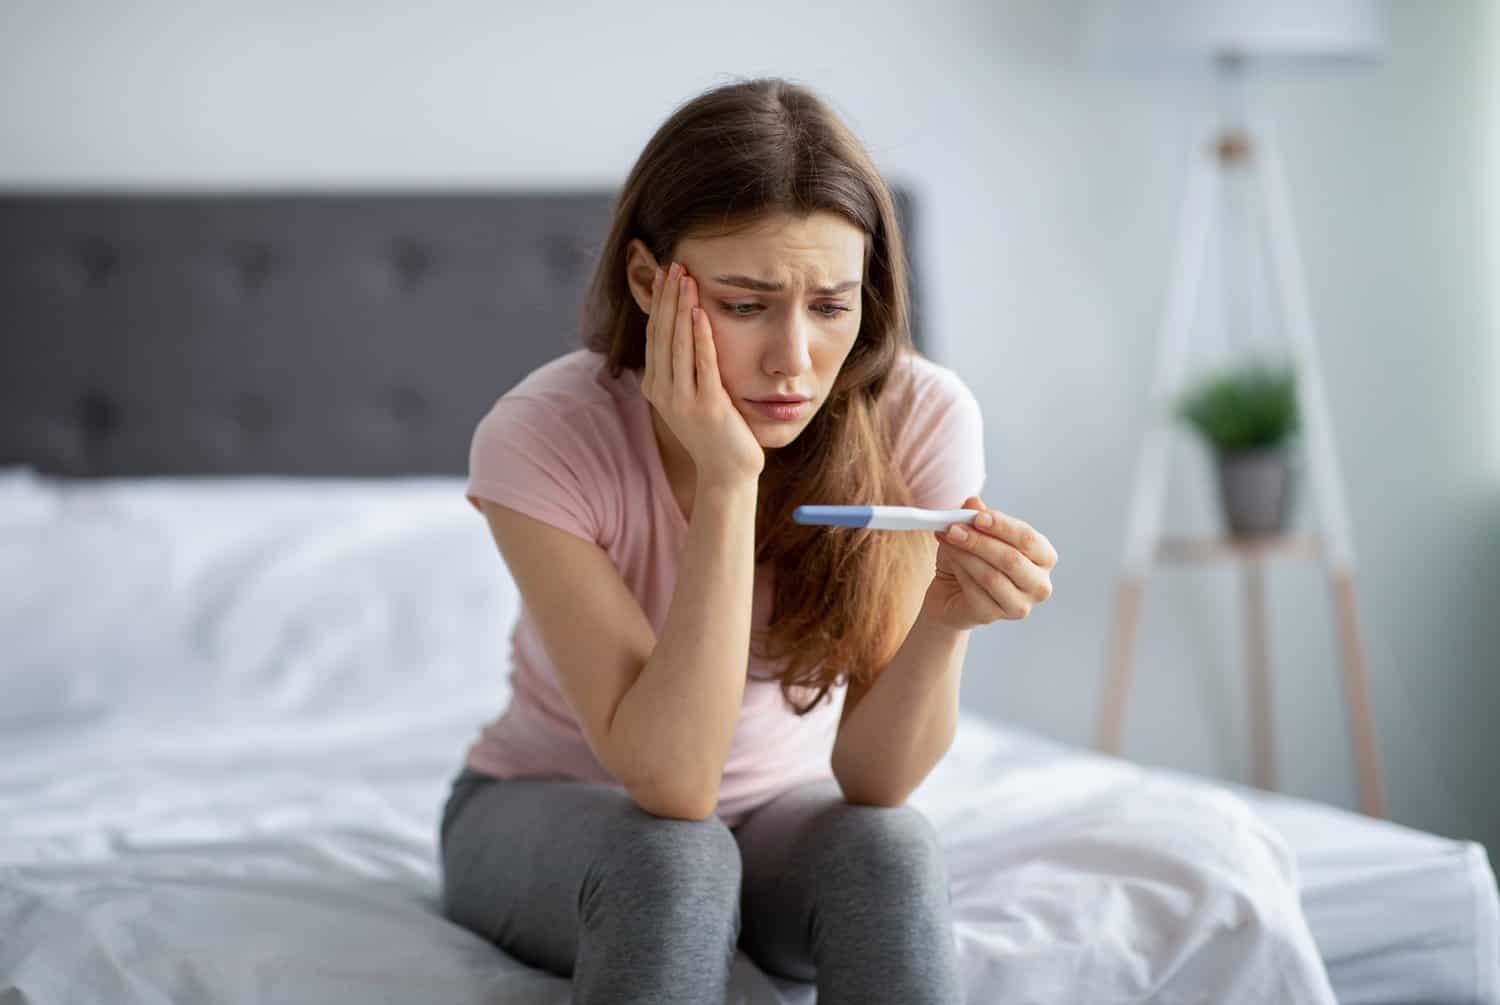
<point x="762" y="286"/>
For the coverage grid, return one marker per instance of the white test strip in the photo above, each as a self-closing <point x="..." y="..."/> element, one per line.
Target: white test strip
<point x="883" y="517"/>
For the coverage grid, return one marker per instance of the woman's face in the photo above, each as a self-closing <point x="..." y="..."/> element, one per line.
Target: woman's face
<point x="783" y="298"/>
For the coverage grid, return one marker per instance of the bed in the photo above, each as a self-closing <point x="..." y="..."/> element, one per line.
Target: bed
<point x="249" y="625"/>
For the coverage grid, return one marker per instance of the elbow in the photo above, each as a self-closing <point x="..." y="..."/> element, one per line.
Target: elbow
<point x="674" y="812"/>
<point x="676" y="800"/>
<point x="675" y="808"/>
<point x="867" y="788"/>
<point x="870" y="797"/>
<point x="857" y="790"/>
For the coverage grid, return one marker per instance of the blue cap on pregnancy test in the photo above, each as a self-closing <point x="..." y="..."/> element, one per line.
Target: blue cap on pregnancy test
<point x="834" y="516"/>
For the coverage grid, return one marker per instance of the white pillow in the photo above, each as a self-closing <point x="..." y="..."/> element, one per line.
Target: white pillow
<point x="232" y="596"/>
<point x="25" y="495"/>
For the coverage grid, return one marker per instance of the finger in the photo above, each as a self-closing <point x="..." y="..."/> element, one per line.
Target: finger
<point x="653" y="315"/>
<point x="667" y="311"/>
<point x="979" y="600"/>
<point x="1018" y="533"/>
<point x="682" y="338"/>
<point x="704" y="352"/>
<point x="665" y="326"/>
<point x="993" y="584"/>
<point x="1010" y="560"/>
<point x="970" y="503"/>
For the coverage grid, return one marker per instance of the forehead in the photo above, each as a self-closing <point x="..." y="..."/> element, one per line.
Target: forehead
<point x="820" y="247"/>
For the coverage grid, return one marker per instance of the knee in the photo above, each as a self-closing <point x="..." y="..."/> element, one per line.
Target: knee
<point x="693" y="862"/>
<point x="884" y="844"/>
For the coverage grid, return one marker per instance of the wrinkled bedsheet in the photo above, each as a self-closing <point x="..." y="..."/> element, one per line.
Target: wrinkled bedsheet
<point x="232" y="710"/>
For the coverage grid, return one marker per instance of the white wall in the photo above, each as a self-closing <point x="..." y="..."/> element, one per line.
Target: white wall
<point x="1051" y="192"/>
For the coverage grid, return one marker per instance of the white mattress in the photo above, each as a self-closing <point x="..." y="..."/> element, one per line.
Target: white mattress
<point x="1399" y="915"/>
<point x="231" y="710"/>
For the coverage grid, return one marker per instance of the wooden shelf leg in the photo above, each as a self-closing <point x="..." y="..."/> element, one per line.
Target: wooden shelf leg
<point x="1357" y="696"/>
<point x="1117" y="684"/>
<point x="1258" y="675"/>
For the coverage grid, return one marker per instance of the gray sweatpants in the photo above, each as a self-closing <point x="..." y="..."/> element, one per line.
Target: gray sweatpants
<point x="576" y="879"/>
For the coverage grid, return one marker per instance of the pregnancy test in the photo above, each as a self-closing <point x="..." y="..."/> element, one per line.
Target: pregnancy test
<point x="883" y="517"/>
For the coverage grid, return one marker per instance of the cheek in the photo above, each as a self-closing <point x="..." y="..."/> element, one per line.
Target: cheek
<point x="830" y="353"/>
<point x="733" y="361"/>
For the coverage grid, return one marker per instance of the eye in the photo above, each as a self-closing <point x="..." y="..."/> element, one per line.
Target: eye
<point x="745" y="310"/>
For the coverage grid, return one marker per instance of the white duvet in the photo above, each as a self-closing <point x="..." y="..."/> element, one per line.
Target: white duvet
<point x="229" y="711"/>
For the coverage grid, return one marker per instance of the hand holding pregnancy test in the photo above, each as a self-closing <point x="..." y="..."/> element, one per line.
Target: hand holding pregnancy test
<point x="990" y="566"/>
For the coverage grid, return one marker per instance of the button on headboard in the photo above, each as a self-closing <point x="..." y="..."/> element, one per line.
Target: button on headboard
<point x="311" y="334"/>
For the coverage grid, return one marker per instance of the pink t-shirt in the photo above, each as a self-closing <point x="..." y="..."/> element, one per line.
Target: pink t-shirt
<point x="574" y="448"/>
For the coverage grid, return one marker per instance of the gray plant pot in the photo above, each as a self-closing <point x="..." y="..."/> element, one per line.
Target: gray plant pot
<point x="1256" y="489"/>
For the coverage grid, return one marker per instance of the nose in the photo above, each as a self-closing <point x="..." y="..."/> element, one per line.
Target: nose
<point x="787" y="355"/>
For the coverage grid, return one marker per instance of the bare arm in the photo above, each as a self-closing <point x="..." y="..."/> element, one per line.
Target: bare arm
<point x="678" y="718"/>
<point x="905" y="721"/>
<point x="658" y="712"/>
<point x="894" y="729"/>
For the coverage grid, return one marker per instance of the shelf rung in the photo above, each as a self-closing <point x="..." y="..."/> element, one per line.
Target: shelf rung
<point x="1238" y="548"/>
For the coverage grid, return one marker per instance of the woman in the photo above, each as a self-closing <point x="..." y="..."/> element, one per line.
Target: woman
<point x="659" y="791"/>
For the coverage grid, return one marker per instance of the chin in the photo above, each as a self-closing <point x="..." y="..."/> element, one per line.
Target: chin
<point x="771" y="435"/>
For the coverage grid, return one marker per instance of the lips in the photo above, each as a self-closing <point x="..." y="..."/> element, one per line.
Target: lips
<point x="778" y="399"/>
<point x="780" y="410"/>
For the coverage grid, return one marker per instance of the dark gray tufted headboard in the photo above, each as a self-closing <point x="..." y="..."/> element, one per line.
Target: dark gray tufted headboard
<point x="299" y="334"/>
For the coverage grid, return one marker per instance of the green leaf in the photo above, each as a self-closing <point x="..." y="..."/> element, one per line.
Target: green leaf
<point x="1243" y="407"/>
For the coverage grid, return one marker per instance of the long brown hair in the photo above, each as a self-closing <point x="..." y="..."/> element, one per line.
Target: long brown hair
<point x="718" y="163"/>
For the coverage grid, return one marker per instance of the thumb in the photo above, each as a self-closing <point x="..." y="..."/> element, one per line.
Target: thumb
<point x="973" y="502"/>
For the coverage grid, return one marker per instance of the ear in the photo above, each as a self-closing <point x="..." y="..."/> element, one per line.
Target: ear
<point x="640" y="270"/>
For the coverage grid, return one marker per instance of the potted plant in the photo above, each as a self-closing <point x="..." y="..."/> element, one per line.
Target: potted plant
<point x="1247" y="413"/>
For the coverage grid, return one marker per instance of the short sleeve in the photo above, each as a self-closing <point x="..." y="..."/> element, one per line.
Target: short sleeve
<point x="534" y="455"/>
<point x="943" y="442"/>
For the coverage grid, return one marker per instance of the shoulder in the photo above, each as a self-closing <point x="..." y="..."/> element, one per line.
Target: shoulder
<point x="571" y="393"/>
<point x="577" y="379"/>
<point x="936" y="431"/>
<point x="921" y="389"/>
<point x="552" y="445"/>
<point x="567" y="416"/>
